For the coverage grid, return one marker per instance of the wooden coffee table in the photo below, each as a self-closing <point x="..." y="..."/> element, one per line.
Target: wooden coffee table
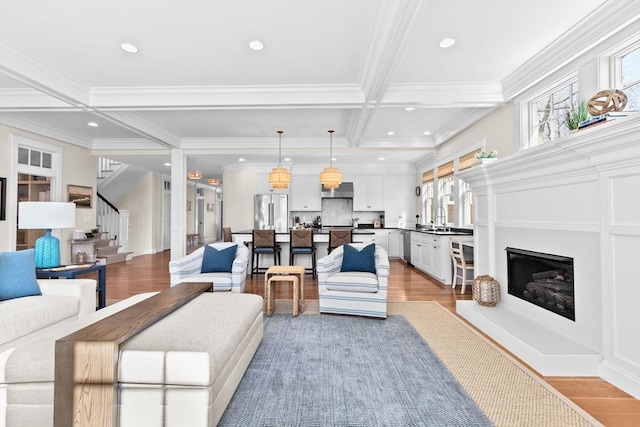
<point x="284" y="270"/>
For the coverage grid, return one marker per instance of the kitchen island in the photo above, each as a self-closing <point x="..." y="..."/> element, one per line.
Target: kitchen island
<point x="320" y="241"/>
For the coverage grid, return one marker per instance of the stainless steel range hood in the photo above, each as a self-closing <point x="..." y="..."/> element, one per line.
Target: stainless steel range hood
<point x="344" y="191"/>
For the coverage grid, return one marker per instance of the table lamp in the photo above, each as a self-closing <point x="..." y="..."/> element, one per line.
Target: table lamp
<point x="47" y="215"/>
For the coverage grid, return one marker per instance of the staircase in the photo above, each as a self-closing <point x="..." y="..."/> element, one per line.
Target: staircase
<point x="107" y="250"/>
<point x="114" y="224"/>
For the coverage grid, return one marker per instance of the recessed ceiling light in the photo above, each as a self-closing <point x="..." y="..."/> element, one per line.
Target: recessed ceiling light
<point x="390" y="133"/>
<point x="426" y="132"/>
<point x="333" y="159"/>
<point x="167" y="164"/>
<point x="92" y="124"/>
<point x="241" y="159"/>
<point x="256" y="45"/>
<point x="448" y="42"/>
<point x="129" y="48"/>
<point x="287" y="159"/>
<point x="409" y="108"/>
<point x="380" y="158"/>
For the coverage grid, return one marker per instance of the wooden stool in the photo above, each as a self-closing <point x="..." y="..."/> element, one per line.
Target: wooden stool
<point x="270" y="292"/>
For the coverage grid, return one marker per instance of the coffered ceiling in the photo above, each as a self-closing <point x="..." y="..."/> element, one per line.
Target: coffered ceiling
<point x="349" y="65"/>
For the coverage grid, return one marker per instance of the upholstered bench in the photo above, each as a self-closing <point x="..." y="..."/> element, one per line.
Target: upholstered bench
<point x="181" y="370"/>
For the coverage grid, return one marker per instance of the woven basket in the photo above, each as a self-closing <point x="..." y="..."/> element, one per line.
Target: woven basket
<point x="486" y="290"/>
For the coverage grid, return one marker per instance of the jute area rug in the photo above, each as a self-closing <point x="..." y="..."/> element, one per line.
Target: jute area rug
<point x="508" y="393"/>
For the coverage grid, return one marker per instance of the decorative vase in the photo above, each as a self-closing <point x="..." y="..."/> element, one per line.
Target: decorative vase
<point x="486" y="290"/>
<point x="488" y="160"/>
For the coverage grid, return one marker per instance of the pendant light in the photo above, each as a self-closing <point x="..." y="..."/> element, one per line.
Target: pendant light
<point x="330" y="177"/>
<point x="194" y="175"/>
<point x="279" y="178"/>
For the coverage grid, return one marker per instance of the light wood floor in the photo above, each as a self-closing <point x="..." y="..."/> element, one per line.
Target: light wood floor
<point x="608" y="404"/>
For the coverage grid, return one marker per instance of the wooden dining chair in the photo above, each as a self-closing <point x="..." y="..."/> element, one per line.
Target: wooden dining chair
<point x="460" y="265"/>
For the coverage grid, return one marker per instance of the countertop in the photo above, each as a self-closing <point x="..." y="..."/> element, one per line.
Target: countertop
<point x="439" y="232"/>
<point x="318" y="231"/>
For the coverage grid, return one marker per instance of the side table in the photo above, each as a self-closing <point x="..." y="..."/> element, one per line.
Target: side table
<point x="286" y="270"/>
<point x="72" y="273"/>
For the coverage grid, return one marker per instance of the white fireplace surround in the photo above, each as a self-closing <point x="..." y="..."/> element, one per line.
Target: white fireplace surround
<point x="577" y="197"/>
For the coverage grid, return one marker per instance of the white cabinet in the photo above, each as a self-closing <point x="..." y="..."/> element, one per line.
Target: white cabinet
<point x="393" y="243"/>
<point x="430" y="254"/>
<point x="368" y="193"/>
<point x="400" y="201"/>
<point x="380" y="238"/>
<point x="305" y="193"/>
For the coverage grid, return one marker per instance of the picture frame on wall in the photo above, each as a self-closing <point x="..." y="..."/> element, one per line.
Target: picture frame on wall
<point x="80" y="195"/>
<point x="3" y="198"/>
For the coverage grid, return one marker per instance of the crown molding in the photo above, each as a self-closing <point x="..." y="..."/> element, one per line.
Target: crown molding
<point x="26" y="99"/>
<point x="340" y="95"/>
<point x="248" y="143"/>
<point x="20" y="122"/>
<point x="459" y="123"/>
<point x="41" y="76"/>
<point x="143" y="127"/>
<point x="613" y="16"/>
<point x="130" y="145"/>
<point x="439" y="95"/>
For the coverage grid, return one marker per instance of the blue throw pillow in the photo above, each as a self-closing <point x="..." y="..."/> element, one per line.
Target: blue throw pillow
<point x="18" y="275"/>
<point x="359" y="260"/>
<point x="218" y="261"/>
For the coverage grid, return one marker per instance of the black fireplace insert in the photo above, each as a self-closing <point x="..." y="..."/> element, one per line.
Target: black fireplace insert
<point x="545" y="280"/>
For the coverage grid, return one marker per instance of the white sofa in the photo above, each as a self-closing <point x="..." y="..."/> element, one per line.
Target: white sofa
<point x="181" y="371"/>
<point x="356" y="293"/>
<point x="188" y="269"/>
<point x="61" y="301"/>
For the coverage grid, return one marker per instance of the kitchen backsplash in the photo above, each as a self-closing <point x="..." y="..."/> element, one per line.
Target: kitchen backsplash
<point x="338" y="212"/>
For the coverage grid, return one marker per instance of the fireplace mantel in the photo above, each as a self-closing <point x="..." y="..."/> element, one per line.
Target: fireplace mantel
<point x="578" y="197"/>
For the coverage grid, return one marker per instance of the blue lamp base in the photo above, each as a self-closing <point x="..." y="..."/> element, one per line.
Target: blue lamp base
<point x="47" y="250"/>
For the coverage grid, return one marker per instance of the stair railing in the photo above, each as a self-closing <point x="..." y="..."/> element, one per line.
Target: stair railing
<point x="107" y="216"/>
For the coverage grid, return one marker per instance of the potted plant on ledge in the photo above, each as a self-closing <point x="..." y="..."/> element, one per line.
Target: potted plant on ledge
<point x="487" y="156"/>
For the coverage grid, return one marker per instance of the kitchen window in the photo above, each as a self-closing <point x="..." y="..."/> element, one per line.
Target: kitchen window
<point x="428" y="197"/>
<point x="466" y="194"/>
<point x="445" y="211"/>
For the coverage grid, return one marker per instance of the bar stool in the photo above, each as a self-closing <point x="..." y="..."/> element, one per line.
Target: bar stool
<point x="301" y="243"/>
<point x="338" y="237"/>
<point x="264" y="243"/>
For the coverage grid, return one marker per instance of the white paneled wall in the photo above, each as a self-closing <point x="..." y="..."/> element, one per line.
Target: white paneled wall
<point x="577" y="197"/>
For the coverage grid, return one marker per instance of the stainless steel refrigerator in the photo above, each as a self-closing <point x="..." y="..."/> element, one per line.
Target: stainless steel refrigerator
<point x="271" y="212"/>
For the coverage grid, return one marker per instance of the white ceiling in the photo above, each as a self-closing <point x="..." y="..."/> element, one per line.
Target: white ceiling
<point x="348" y="65"/>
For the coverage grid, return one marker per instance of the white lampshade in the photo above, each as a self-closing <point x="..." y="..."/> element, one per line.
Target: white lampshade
<point x="46" y="215"/>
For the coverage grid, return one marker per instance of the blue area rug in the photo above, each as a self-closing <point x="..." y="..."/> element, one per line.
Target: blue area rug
<point x="326" y="370"/>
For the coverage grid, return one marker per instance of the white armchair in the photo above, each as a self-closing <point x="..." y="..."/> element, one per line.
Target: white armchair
<point x="357" y="293"/>
<point x="188" y="269"/>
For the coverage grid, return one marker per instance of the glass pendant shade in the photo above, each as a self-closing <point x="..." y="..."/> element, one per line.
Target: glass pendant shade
<point x="330" y="177"/>
<point x="279" y="177"/>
